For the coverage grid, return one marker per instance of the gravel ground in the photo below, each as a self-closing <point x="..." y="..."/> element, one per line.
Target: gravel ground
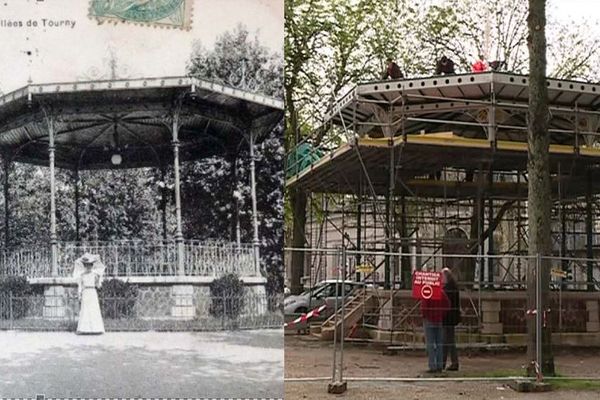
<point x="142" y="364"/>
<point x="309" y="357"/>
<point x="428" y="391"/>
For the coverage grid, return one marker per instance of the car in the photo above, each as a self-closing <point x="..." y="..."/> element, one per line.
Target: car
<point x="322" y="293"/>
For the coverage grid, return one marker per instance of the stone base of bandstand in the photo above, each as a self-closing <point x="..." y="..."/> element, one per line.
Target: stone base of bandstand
<point x="175" y="297"/>
<point x="55" y="306"/>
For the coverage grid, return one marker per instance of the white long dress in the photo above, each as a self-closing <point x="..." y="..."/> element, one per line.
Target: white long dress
<point x="90" y="318"/>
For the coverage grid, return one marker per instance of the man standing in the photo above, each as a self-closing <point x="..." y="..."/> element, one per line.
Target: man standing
<point x="451" y="319"/>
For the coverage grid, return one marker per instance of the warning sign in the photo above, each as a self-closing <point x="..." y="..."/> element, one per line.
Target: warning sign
<point x="427" y="285"/>
<point x="558" y="273"/>
<point x="365" y="268"/>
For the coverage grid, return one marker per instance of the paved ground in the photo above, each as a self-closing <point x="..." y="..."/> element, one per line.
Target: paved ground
<point x="142" y="364"/>
<point x="308" y="357"/>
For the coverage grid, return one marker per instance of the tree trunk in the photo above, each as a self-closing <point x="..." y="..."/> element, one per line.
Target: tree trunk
<point x="298" y="202"/>
<point x="539" y="196"/>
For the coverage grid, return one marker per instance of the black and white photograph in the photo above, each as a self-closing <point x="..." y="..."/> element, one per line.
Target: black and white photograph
<point x="141" y="209"/>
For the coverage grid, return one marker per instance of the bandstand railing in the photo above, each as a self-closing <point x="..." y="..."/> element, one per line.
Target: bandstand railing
<point x="133" y="258"/>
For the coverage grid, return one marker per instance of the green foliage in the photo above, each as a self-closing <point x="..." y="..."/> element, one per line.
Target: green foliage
<point x="18" y="288"/>
<point x="331" y="45"/>
<point x="117" y="299"/>
<point x="227" y="295"/>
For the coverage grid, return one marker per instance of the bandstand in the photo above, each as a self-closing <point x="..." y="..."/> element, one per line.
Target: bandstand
<point x="137" y="123"/>
<point x="433" y="168"/>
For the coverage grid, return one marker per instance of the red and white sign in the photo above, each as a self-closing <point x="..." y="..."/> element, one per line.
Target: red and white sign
<point x="427" y="285"/>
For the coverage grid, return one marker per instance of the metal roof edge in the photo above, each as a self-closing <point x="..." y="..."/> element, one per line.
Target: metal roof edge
<point x="140" y="83"/>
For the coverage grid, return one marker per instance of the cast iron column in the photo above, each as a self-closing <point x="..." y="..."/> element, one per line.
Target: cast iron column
<point x="53" y="236"/>
<point x="255" y="241"/>
<point x="163" y="201"/>
<point x="76" y="179"/>
<point x="179" y="231"/>
<point x="7" y="164"/>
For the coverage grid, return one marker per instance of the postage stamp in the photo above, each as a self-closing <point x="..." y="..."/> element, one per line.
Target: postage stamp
<point x="159" y="13"/>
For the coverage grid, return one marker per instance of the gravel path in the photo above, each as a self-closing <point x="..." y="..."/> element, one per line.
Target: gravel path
<point x="309" y="357"/>
<point x="428" y="391"/>
<point x="142" y="364"/>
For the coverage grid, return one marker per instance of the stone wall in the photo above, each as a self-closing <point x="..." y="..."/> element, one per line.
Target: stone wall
<point x="161" y="303"/>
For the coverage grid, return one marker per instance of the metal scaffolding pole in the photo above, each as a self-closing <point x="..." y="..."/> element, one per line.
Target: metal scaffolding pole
<point x="359" y="229"/>
<point x="589" y="230"/>
<point x="389" y="233"/>
<point x="406" y="268"/>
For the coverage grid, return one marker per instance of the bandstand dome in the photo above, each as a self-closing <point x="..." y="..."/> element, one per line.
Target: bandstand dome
<point x="135" y="123"/>
<point x="134" y="118"/>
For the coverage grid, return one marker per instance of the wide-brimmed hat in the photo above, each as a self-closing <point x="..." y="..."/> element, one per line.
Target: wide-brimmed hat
<point x="88" y="259"/>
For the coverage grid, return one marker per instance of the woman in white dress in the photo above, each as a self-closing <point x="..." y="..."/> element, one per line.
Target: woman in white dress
<point x="90" y="318"/>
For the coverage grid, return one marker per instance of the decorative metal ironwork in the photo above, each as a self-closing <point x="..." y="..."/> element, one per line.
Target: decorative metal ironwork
<point x="133" y="258"/>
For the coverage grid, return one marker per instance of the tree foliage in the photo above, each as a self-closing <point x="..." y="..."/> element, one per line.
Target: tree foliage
<point x="238" y="59"/>
<point x="220" y="186"/>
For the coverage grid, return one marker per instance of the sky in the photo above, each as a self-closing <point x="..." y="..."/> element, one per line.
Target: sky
<point x="577" y="9"/>
<point x="74" y="52"/>
<point x="81" y="52"/>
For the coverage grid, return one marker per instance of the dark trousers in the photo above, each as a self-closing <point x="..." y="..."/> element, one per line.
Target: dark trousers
<point x="450" y="345"/>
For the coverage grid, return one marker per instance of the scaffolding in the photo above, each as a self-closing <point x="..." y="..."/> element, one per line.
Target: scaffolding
<point x="438" y="165"/>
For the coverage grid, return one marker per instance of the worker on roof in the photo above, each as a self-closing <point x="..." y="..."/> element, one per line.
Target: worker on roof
<point x="392" y="70"/>
<point x="444" y="66"/>
<point x="480" y="65"/>
<point x="496" y="65"/>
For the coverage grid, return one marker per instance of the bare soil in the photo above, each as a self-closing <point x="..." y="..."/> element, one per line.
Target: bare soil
<point x="306" y="356"/>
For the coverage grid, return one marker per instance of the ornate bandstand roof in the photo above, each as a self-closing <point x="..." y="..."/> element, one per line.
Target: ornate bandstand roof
<point x="467" y="122"/>
<point x="134" y="118"/>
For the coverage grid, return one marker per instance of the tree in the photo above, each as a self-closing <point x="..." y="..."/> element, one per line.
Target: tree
<point x="304" y="30"/>
<point x="326" y="52"/>
<point x="117" y="205"/>
<point x="238" y="59"/>
<point x="220" y="185"/>
<point x="539" y="190"/>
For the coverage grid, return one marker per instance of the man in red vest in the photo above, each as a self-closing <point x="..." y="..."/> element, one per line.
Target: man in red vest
<point x="434" y="312"/>
<point x="480" y="65"/>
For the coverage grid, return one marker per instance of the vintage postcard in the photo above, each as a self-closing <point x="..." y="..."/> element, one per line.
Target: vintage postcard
<point x="141" y="199"/>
